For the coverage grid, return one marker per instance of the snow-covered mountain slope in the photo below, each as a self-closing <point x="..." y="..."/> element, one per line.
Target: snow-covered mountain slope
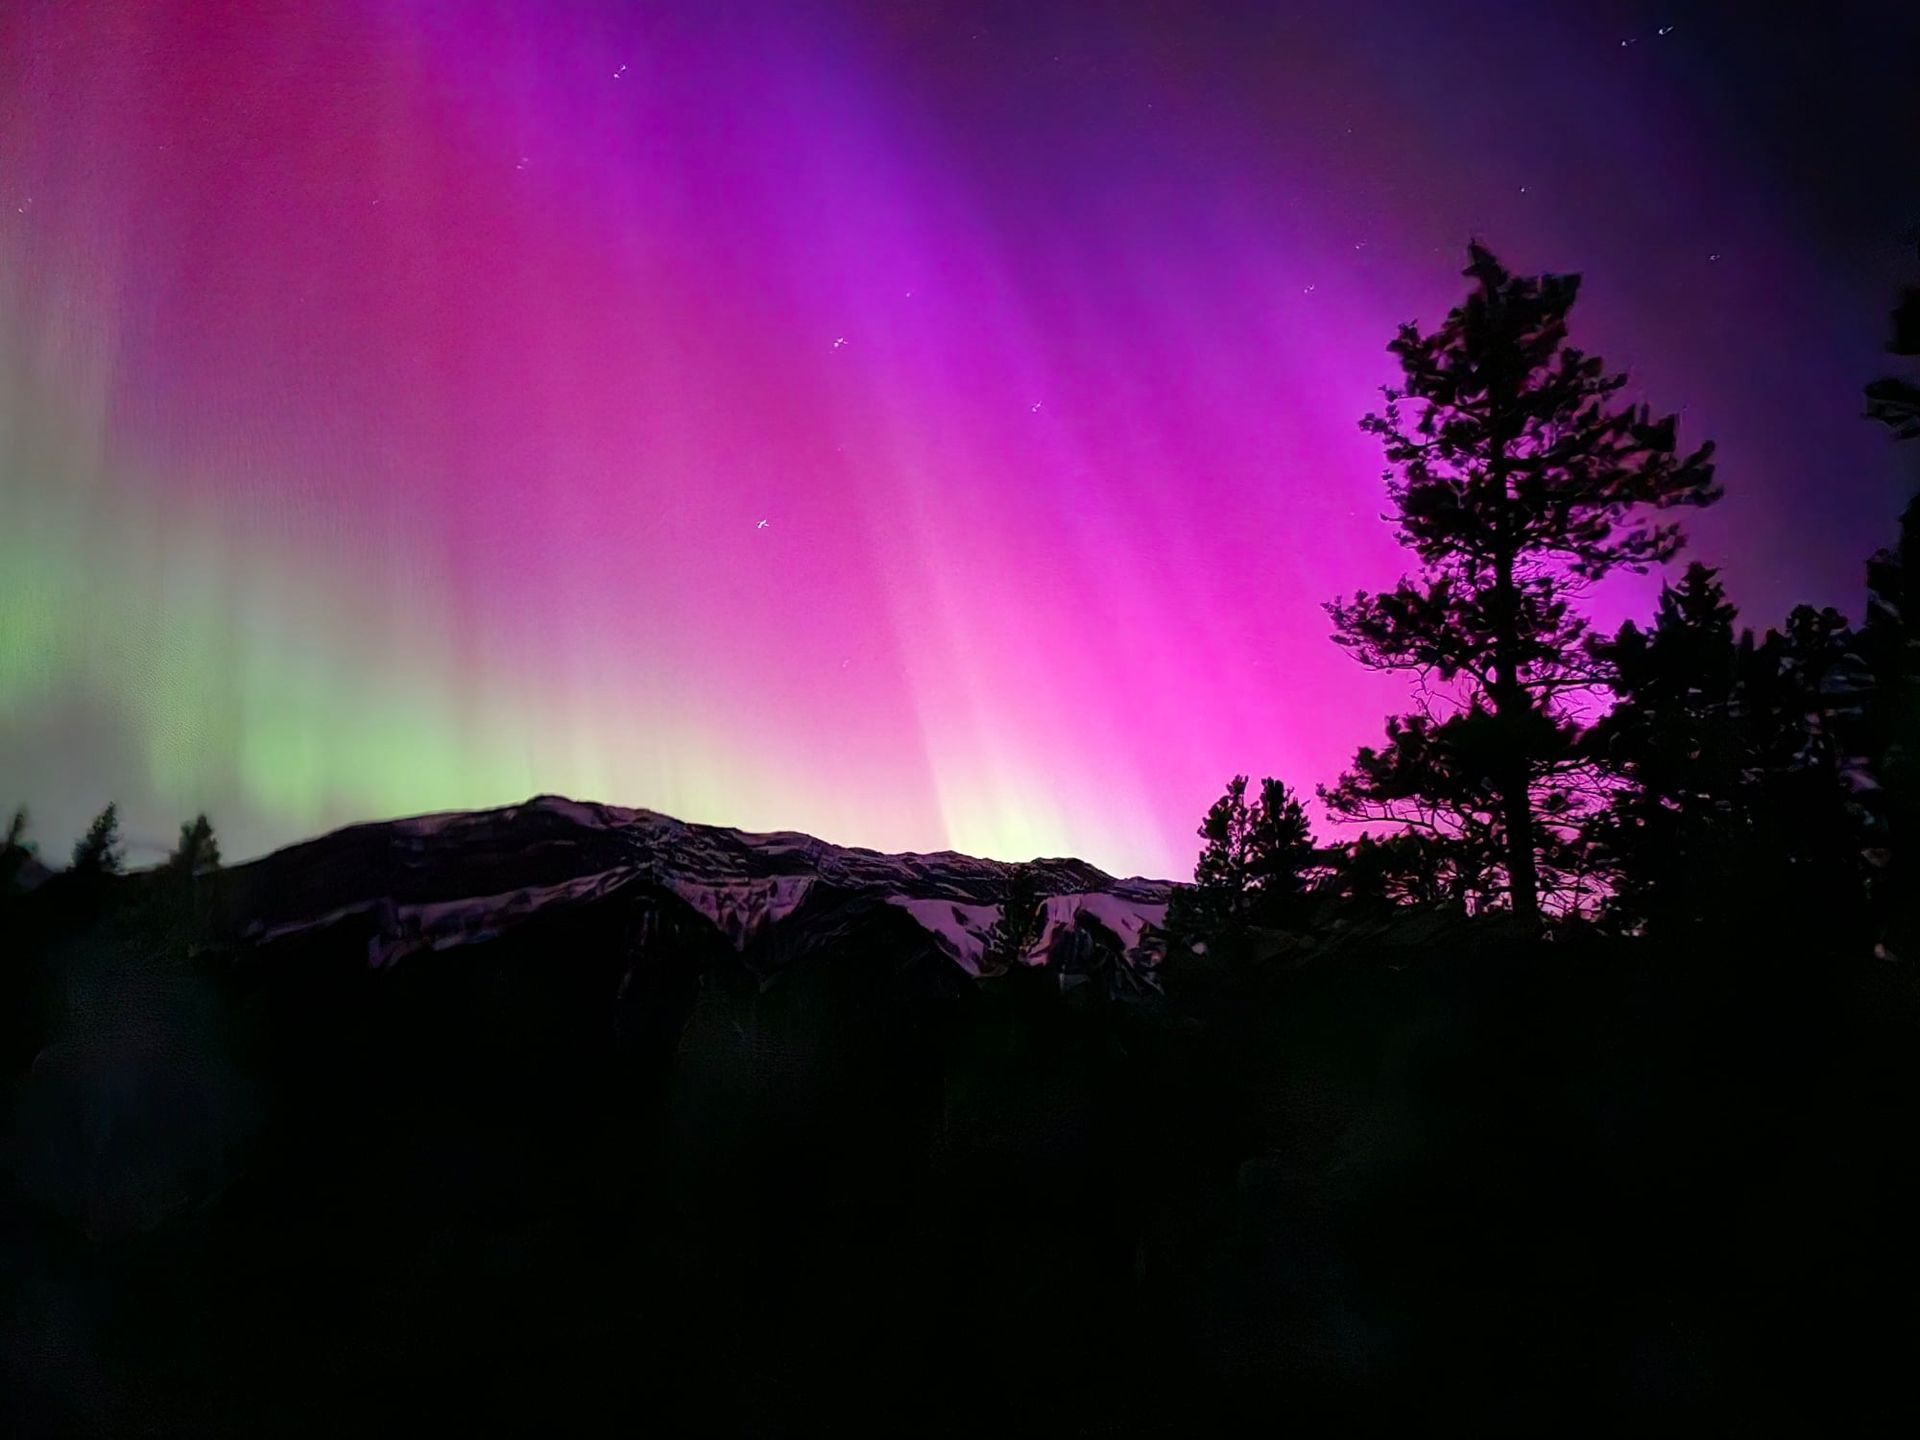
<point x="435" y="882"/>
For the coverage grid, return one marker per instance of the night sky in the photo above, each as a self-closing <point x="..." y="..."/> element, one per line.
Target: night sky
<point x="922" y="424"/>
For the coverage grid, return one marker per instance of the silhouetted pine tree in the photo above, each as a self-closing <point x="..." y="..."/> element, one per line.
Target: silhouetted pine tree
<point x="1810" y="837"/>
<point x="1734" y="767"/>
<point x="1895" y="401"/>
<point x="198" y="851"/>
<point x="1254" y="868"/>
<point x="1889" y="644"/>
<point x="15" y="853"/>
<point x="1279" y="854"/>
<point x="1685" y="740"/>
<point x="1517" y="482"/>
<point x="98" y="851"/>
<point x="1889" y="735"/>
<point x="1023" y="918"/>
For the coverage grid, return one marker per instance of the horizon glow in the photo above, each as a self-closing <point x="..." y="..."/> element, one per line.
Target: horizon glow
<point x="922" y="426"/>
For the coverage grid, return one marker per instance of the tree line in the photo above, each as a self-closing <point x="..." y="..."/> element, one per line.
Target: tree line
<point x="101" y="851"/>
<point x="1668" y="778"/>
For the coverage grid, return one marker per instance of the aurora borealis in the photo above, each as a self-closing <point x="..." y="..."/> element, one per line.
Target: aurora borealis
<point x="925" y="425"/>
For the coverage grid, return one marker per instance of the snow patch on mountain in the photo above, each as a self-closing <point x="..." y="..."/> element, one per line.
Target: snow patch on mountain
<point x="451" y="923"/>
<point x="1125" y="917"/>
<point x="403" y="930"/>
<point x="741" y="909"/>
<point x="962" y="930"/>
<point x="959" y="929"/>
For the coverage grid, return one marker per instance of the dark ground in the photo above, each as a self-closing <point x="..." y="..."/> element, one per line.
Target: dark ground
<point x="1441" y="1177"/>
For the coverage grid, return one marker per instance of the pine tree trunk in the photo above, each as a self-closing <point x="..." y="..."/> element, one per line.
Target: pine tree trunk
<point x="1523" y="881"/>
<point x="1514" y="705"/>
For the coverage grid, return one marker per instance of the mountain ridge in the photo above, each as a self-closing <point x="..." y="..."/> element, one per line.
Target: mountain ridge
<point x="453" y="878"/>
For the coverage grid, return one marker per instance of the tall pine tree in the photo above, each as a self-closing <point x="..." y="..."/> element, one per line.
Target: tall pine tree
<point x="98" y="851"/>
<point x="1889" y="645"/>
<point x="1518" y="480"/>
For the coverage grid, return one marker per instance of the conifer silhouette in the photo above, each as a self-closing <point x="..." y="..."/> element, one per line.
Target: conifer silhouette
<point x="15" y="853"/>
<point x="1518" y="481"/>
<point x="1254" y="867"/>
<point x="98" y="851"/>
<point x="198" y="850"/>
<point x="1023" y="918"/>
<point x="1889" y="645"/>
<point x="1895" y="400"/>
<point x="1684" y="745"/>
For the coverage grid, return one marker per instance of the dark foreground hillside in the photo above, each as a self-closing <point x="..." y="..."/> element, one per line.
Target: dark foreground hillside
<point x="606" y="1171"/>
